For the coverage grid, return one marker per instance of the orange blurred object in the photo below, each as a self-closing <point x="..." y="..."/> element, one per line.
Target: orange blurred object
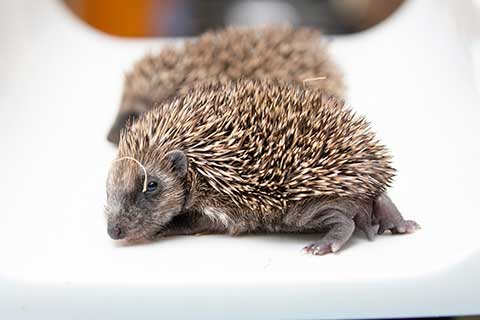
<point x="173" y="18"/>
<point x="128" y="18"/>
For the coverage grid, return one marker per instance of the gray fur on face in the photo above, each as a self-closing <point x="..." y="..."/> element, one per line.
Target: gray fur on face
<point x="139" y="214"/>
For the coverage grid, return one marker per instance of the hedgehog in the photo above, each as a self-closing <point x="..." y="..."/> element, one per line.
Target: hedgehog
<point x="252" y="156"/>
<point x="273" y="52"/>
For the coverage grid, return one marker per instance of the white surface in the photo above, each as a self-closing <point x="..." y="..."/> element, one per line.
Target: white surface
<point x="60" y="83"/>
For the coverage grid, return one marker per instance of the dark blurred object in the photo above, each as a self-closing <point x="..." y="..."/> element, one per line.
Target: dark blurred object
<point x="358" y="15"/>
<point x="170" y="18"/>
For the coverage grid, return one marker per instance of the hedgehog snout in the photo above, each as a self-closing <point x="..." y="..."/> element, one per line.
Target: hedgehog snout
<point x="116" y="231"/>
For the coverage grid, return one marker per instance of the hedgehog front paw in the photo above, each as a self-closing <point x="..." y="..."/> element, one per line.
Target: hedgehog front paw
<point x="322" y="247"/>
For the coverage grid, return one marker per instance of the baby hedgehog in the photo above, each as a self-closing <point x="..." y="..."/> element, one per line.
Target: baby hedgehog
<point x="278" y="53"/>
<point x="251" y="156"/>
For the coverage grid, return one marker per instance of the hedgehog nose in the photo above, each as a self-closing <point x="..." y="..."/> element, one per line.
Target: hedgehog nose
<point x="116" y="231"/>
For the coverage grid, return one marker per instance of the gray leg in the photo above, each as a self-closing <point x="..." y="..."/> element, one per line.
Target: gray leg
<point x="387" y="216"/>
<point x="363" y="221"/>
<point x="340" y="230"/>
<point x="335" y="217"/>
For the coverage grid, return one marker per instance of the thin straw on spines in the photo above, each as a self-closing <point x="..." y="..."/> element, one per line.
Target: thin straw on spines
<point x="141" y="165"/>
<point x="313" y="79"/>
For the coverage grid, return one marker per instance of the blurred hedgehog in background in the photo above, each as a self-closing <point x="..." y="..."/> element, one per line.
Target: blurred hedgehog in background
<point x="276" y="53"/>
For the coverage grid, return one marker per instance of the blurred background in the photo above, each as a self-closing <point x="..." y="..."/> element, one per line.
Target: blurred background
<point x="170" y="18"/>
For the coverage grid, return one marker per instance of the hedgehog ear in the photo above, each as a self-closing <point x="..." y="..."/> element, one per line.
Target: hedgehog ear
<point x="179" y="162"/>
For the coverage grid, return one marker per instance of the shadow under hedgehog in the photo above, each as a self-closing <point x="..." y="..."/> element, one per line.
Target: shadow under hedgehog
<point x="252" y="156"/>
<point x="277" y="53"/>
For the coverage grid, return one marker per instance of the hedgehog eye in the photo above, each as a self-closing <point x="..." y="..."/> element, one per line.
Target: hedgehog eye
<point x="151" y="187"/>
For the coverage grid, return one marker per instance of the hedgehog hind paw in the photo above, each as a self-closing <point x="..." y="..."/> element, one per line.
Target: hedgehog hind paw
<point x="388" y="217"/>
<point x="408" y="226"/>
